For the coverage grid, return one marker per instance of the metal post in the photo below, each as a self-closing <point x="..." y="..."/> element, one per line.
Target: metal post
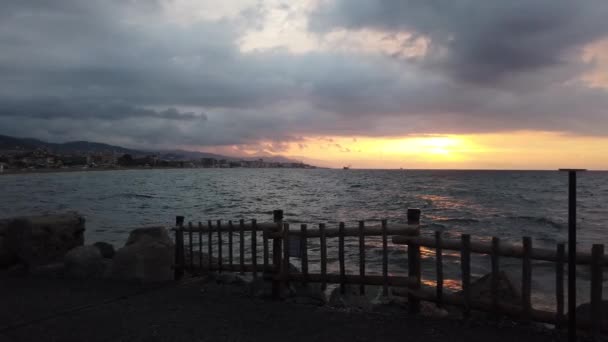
<point x="572" y="253"/>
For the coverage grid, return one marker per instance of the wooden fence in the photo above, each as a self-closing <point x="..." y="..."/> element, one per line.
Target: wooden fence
<point x="277" y="270"/>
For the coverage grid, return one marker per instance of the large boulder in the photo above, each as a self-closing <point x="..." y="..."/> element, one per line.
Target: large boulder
<point x="107" y="250"/>
<point x="147" y="256"/>
<point x="84" y="262"/>
<point x="508" y="292"/>
<point x="39" y="240"/>
<point x="583" y="313"/>
<point x="352" y="299"/>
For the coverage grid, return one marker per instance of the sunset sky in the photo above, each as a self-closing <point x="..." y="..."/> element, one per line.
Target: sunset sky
<point x="519" y="84"/>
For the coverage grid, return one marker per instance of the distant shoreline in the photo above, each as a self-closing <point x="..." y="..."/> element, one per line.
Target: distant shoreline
<point x="67" y="170"/>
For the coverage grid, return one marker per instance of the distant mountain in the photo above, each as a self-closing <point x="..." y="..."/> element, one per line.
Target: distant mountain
<point x="75" y="147"/>
<point x="26" y="144"/>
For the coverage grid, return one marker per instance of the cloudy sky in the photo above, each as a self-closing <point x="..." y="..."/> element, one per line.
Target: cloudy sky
<point x="385" y="83"/>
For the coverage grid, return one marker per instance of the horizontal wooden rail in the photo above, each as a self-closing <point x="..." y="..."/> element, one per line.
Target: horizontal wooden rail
<point x="348" y="279"/>
<point x="247" y="227"/>
<point x="372" y="230"/>
<point x="483" y="247"/>
<point x="232" y="268"/>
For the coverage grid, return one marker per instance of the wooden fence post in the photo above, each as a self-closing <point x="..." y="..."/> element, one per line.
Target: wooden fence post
<point x="495" y="274"/>
<point x="219" y="246"/>
<point x="559" y="284"/>
<point x="465" y="264"/>
<point x="526" y="278"/>
<point x="276" y="254"/>
<point x="179" y="248"/>
<point x="597" y="258"/>
<point x="362" y="257"/>
<point x="439" y="268"/>
<point x="384" y="258"/>
<point x="323" y="246"/>
<point x="285" y="272"/>
<point x="254" y="248"/>
<point x="341" y="257"/>
<point x="190" y="246"/>
<point x="304" y="253"/>
<point x="414" y="269"/>
<point x="210" y="245"/>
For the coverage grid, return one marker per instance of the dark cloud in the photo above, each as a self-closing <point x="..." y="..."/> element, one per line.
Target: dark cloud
<point x="120" y="72"/>
<point x="484" y="41"/>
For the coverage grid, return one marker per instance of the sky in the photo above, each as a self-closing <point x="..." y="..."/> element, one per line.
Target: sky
<point x="519" y="84"/>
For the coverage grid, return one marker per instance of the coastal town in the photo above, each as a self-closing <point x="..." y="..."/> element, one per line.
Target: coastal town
<point x="18" y="159"/>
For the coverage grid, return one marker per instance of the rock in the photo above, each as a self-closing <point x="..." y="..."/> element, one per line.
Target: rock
<point x="351" y="299"/>
<point x="260" y="288"/>
<point x="230" y="279"/>
<point x="7" y="256"/>
<point x="54" y="270"/>
<point x="107" y="250"/>
<point x="147" y="256"/>
<point x="481" y="289"/>
<point x="84" y="262"/>
<point x="159" y="234"/>
<point x="583" y="312"/>
<point x="310" y="294"/>
<point x="39" y="240"/>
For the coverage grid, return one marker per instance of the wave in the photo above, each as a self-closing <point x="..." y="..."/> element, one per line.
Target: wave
<point x="538" y="220"/>
<point x="458" y="220"/>
<point x="130" y="195"/>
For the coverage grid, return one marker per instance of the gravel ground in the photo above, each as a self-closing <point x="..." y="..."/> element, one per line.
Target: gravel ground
<point x="67" y="310"/>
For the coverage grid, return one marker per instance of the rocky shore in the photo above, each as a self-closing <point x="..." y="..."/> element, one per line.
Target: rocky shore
<point x="49" y="276"/>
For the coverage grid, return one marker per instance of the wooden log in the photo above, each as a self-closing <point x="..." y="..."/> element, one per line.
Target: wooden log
<point x="414" y="271"/>
<point x="597" y="254"/>
<point x="506" y="249"/>
<point x="439" y="268"/>
<point x="465" y="264"/>
<point x="254" y="248"/>
<point x="394" y="281"/>
<point x="341" y="258"/>
<point x="323" y="244"/>
<point x="384" y="259"/>
<point x="362" y="255"/>
<point x="559" y="285"/>
<point x="304" y="254"/>
<point x="242" y="243"/>
<point x="230" y="245"/>
<point x="210" y="244"/>
<point x="526" y="278"/>
<point x="370" y="230"/>
<point x="495" y="273"/>
<point x="219" y="245"/>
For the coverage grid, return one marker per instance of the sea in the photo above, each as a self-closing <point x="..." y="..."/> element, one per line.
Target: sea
<point x="505" y="204"/>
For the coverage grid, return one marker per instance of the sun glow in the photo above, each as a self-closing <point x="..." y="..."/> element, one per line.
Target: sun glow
<point x="506" y="150"/>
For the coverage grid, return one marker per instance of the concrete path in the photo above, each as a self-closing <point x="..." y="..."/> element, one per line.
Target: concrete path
<point x="62" y="310"/>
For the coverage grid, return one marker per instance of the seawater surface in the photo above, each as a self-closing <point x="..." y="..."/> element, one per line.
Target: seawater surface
<point x="506" y="204"/>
